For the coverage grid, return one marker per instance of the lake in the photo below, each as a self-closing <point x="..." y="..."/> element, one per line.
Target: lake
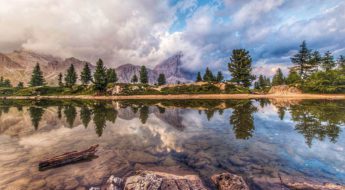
<point x="265" y="141"/>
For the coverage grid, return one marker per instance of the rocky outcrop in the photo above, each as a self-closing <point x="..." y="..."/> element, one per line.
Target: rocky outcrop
<point x="284" y="89"/>
<point x="228" y="181"/>
<point x="127" y="71"/>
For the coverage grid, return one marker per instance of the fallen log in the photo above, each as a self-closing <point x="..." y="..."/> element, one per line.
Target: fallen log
<point x="68" y="157"/>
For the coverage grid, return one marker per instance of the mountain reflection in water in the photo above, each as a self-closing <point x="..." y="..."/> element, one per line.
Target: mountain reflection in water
<point x="259" y="139"/>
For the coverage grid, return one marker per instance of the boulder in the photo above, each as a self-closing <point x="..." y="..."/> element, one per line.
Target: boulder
<point x="228" y="181"/>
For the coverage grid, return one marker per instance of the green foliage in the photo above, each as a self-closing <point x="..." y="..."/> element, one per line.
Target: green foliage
<point x="235" y="89"/>
<point x="293" y="78"/>
<point x="208" y="76"/>
<point x="219" y="77"/>
<point x="143" y="75"/>
<point x="144" y="114"/>
<point x="328" y="62"/>
<point x="100" y="77"/>
<point x="60" y="80"/>
<point x="20" y="85"/>
<point x="71" y="76"/>
<point x="278" y="78"/>
<point x="85" y="75"/>
<point x="37" y="77"/>
<point x="161" y="79"/>
<point x="198" y="77"/>
<point x="332" y="81"/>
<point x="111" y="75"/>
<point x="192" y="89"/>
<point x="240" y="67"/>
<point x="341" y="63"/>
<point x="5" y="83"/>
<point x="134" y="79"/>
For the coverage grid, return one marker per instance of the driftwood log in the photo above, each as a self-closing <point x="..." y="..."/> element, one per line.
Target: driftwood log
<point x="67" y="158"/>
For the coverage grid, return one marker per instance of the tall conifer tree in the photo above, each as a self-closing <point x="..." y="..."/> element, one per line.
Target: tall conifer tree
<point x="37" y="77"/>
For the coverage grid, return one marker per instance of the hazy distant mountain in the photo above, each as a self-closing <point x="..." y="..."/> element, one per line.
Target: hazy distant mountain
<point x="170" y="67"/>
<point x="17" y="66"/>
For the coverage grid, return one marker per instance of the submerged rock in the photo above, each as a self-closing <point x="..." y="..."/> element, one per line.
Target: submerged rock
<point x="227" y="181"/>
<point x="149" y="180"/>
<point x="312" y="186"/>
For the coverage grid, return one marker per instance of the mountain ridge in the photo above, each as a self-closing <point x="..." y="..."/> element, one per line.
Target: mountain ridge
<point x="17" y="66"/>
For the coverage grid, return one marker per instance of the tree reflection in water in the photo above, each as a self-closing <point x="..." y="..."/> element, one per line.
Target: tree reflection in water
<point x="318" y="119"/>
<point x="242" y="119"/>
<point x="36" y="114"/>
<point x="314" y="119"/>
<point x="70" y="114"/>
<point x="85" y="115"/>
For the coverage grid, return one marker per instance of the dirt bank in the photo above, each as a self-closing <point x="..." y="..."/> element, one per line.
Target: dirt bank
<point x="189" y="96"/>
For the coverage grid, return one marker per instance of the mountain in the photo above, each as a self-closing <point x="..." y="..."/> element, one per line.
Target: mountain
<point x="171" y="68"/>
<point x="17" y="66"/>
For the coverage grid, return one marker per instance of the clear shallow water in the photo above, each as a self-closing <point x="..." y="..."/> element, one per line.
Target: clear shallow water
<point x="264" y="141"/>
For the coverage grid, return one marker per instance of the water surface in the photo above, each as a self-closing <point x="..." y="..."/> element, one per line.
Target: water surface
<point x="264" y="141"/>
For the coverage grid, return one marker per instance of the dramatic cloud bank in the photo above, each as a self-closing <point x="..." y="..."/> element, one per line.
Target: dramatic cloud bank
<point x="148" y="31"/>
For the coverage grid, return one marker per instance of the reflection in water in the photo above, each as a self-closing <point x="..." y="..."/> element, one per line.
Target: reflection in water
<point x="36" y="114"/>
<point x="85" y="115"/>
<point x="242" y="118"/>
<point x="200" y="136"/>
<point x="144" y="114"/>
<point x="315" y="120"/>
<point x="70" y="114"/>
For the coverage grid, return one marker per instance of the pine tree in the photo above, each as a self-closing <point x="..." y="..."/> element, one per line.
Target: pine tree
<point x="134" y="79"/>
<point x="328" y="62"/>
<point x="341" y="62"/>
<point x="302" y="60"/>
<point x="100" y="77"/>
<point x="161" y="79"/>
<point x="60" y="80"/>
<point x="37" y="77"/>
<point x="240" y="67"/>
<point x="85" y="75"/>
<point x="143" y="75"/>
<point x="20" y="85"/>
<point x="256" y="85"/>
<point x="208" y="76"/>
<point x="7" y="83"/>
<point x="262" y="82"/>
<point x="219" y="77"/>
<point x="198" y="77"/>
<point x="278" y="78"/>
<point x="71" y="76"/>
<point x="314" y="62"/>
<point x="293" y="77"/>
<point x="111" y="75"/>
<point x="1" y="81"/>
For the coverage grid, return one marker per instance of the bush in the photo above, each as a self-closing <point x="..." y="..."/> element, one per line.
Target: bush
<point x="236" y="89"/>
<point x="192" y="89"/>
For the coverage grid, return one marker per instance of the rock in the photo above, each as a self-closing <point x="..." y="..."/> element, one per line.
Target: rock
<point x="227" y="181"/>
<point x="312" y="186"/>
<point x="114" y="183"/>
<point x="38" y="184"/>
<point x="284" y="89"/>
<point x="145" y="180"/>
<point x="71" y="183"/>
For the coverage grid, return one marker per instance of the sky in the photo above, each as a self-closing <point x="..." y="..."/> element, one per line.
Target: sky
<point x="146" y="32"/>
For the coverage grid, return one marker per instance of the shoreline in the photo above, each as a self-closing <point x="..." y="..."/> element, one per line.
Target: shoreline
<point x="186" y="97"/>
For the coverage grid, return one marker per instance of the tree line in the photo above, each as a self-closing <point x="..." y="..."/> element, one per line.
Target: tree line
<point x="100" y="78"/>
<point x="311" y="71"/>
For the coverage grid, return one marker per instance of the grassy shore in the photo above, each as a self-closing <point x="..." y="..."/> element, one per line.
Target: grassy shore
<point x="186" y="96"/>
